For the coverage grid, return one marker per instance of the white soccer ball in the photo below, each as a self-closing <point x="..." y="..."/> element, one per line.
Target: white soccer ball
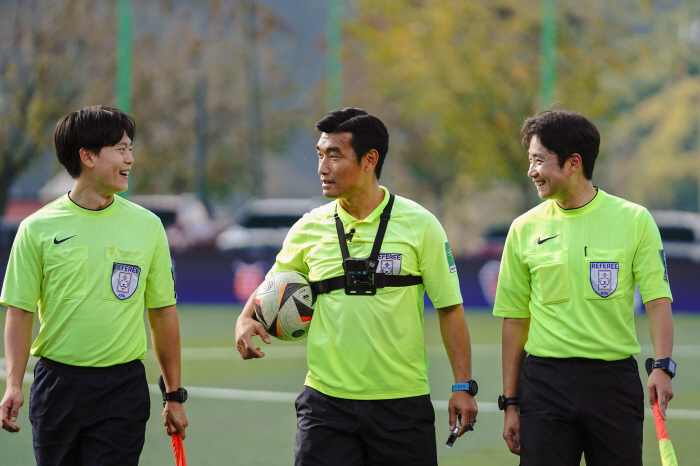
<point x="284" y="304"/>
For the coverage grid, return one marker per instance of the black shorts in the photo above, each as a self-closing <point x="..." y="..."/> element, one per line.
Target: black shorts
<point x="88" y="415"/>
<point x="570" y="407"/>
<point x="340" y="432"/>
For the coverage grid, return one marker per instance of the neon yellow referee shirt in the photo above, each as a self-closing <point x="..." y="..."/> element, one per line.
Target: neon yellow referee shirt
<point x="372" y="347"/>
<point x="573" y="272"/>
<point x="90" y="273"/>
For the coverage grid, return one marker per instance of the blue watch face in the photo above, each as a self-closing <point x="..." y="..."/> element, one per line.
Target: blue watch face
<point x="671" y="365"/>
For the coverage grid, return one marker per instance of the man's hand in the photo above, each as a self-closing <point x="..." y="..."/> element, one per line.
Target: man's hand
<point x="246" y="328"/>
<point x="659" y="387"/>
<point x="462" y="404"/>
<point x="9" y="406"/>
<point x="174" y="418"/>
<point x="511" y="429"/>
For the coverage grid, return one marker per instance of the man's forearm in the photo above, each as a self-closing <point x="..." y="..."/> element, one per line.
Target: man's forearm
<point x="249" y="307"/>
<point x="18" y="341"/>
<point x="455" y="336"/>
<point x="661" y="327"/>
<point x="165" y="333"/>
<point x="514" y="336"/>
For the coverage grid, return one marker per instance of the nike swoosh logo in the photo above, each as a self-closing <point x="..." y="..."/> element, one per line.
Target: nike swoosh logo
<point x="540" y="241"/>
<point x="55" y="241"/>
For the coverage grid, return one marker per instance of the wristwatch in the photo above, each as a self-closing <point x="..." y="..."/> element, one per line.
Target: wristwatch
<point x="667" y="365"/>
<point x="470" y="387"/>
<point x="180" y="396"/>
<point x="503" y="402"/>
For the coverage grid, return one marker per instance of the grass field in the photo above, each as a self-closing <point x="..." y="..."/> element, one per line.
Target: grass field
<point x="227" y="428"/>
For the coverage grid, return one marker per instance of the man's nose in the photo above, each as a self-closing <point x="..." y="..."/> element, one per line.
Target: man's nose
<point x="129" y="157"/>
<point x="531" y="172"/>
<point x="322" y="165"/>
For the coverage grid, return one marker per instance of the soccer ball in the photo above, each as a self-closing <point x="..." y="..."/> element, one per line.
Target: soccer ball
<point x="284" y="304"/>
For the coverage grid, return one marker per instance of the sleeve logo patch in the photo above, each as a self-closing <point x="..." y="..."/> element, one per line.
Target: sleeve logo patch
<point x="604" y="278"/>
<point x="389" y="264"/>
<point x="125" y="280"/>
<point x="662" y="254"/>
<point x="450" y="258"/>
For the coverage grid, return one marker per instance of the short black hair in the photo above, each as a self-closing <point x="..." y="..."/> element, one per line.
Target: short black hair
<point x="90" y="128"/>
<point x="368" y="132"/>
<point x="564" y="132"/>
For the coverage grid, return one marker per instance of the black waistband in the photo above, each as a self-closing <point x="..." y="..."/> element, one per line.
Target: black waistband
<point x="59" y="366"/>
<point x="580" y="361"/>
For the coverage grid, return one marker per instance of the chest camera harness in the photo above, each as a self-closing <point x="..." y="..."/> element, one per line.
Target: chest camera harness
<point x="361" y="277"/>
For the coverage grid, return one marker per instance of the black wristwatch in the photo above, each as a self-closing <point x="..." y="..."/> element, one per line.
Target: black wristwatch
<point x="503" y="402"/>
<point x="180" y="396"/>
<point x="667" y="365"/>
<point x="470" y="387"/>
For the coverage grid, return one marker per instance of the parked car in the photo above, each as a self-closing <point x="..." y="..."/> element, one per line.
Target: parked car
<point x="680" y="233"/>
<point x="254" y="241"/>
<point x="264" y="223"/>
<point x="185" y="218"/>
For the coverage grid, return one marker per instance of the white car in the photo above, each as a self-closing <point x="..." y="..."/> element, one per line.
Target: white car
<point x="265" y="223"/>
<point x="680" y="233"/>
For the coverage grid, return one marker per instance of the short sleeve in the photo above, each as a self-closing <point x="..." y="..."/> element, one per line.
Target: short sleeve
<point x="513" y="289"/>
<point x="160" y="283"/>
<point x="649" y="263"/>
<point x="437" y="266"/>
<point x="22" y="285"/>
<point x="291" y="256"/>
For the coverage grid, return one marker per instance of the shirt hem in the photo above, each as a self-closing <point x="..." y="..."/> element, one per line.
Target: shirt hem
<point x="23" y="306"/>
<point x="356" y="396"/>
<point x="511" y="314"/>
<point x="159" y="305"/>
<point x="456" y="302"/>
<point x="657" y="295"/>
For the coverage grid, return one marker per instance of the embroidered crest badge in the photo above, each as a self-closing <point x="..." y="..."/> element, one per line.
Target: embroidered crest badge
<point x="125" y="280"/>
<point x="389" y="264"/>
<point x="604" y="277"/>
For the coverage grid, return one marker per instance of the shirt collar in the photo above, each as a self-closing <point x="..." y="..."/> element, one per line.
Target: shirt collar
<point x="346" y="218"/>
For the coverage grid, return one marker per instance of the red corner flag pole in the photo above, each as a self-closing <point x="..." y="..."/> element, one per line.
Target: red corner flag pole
<point x="668" y="454"/>
<point x="179" y="451"/>
<point x="178" y="447"/>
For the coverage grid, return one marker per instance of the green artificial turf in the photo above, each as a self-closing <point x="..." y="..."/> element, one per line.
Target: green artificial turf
<point x="260" y="433"/>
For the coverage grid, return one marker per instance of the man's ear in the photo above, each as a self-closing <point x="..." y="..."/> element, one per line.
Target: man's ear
<point x="86" y="157"/>
<point x="575" y="162"/>
<point x="370" y="160"/>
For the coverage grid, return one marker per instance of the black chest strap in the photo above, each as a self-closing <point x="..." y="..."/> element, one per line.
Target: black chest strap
<point x="380" y="280"/>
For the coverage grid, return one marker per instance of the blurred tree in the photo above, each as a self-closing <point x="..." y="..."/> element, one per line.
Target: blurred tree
<point x="654" y="146"/>
<point x="58" y="56"/>
<point x="41" y="76"/>
<point x="219" y="57"/>
<point x="455" y="79"/>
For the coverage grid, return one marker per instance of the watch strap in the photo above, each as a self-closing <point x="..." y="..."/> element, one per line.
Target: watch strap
<point x="470" y="387"/>
<point x="180" y="396"/>
<point x="504" y="402"/>
<point x="461" y="386"/>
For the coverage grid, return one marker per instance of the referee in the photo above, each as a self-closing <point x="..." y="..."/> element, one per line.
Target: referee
<point x="91" y="261"/>
<point x="366" y="396"/>
<point x="566" y="289"/>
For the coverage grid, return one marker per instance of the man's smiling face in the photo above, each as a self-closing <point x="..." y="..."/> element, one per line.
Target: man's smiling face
<point x="112" y="167"/>
<point x="552" y="181"/>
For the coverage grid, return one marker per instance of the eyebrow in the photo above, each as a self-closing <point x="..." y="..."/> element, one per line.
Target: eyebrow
<point x="330" y="149"/>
